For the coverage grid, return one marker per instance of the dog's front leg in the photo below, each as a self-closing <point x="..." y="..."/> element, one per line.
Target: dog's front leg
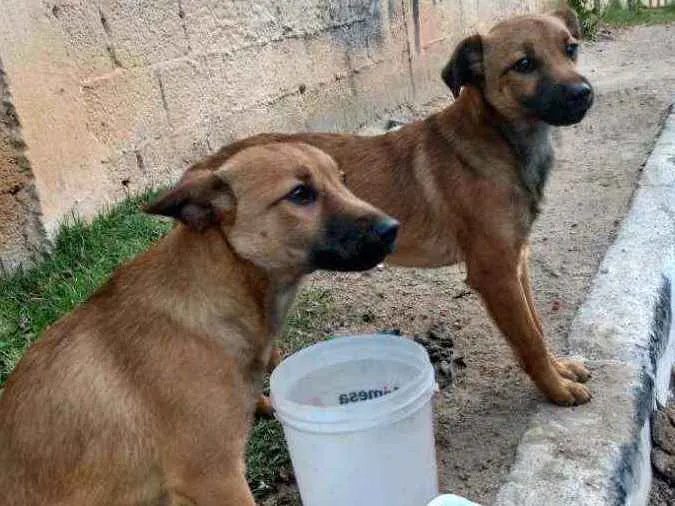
<point x="567" y="368"/>
<point x="211" y="490"/>
<point x="497" y="278"/>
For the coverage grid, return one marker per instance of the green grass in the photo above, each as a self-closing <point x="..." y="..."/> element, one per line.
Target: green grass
<point x="642" y="16"/>
<point x="83" y="257"/>
<point x="592" y="18"/>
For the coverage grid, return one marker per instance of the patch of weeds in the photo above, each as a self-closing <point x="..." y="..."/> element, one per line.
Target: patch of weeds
<point x="84" y="255"/>
<point x="592" y="15"/>
<point x="267" y="459"/>
<point x="589" y="17"/>
<point x="616" y="16"/>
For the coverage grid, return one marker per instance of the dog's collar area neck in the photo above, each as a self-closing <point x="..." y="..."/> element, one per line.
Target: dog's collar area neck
<point x="532" y="146"/>
<point x="278" y="301"/>
<point x="523" y="135"/>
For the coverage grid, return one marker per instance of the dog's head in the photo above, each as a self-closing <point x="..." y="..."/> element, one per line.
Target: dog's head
<point x="283" y="207"/>
<point x="525" y="67"/>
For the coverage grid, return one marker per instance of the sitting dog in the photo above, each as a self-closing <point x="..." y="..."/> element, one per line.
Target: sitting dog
<point x="466" y="184"/>
<point x="144" y="394"/>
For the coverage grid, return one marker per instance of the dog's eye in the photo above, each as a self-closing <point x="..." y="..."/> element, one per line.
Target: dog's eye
<point x="571" y="50"/>
<point x="524" y="65"/>
<point x="302" y="195"/>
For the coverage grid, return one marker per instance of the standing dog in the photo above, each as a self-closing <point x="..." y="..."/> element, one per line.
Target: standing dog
<point x="144" y="394"/>
<point x="466" y="183"/>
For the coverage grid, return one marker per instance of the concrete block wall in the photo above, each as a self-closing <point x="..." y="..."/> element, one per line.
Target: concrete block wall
<point x="116" y="95"/>
<point x="21" y="231"/>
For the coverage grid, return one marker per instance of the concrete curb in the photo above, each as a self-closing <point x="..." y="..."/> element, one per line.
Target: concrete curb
<point x="598" y="454"/>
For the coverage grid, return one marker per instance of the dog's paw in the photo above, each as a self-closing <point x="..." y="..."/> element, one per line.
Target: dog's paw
<point x="572" y="370"/>
<point x="572" y="394"/>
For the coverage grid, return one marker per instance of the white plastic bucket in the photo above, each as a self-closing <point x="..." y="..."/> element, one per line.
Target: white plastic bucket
<point x="357" y="417"/>
<point x="451" y="500"/>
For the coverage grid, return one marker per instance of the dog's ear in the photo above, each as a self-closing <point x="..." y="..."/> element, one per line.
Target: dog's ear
<point x="465" y="66"/>
<point x="571" y="20"/>
<point x="201" y="200"/>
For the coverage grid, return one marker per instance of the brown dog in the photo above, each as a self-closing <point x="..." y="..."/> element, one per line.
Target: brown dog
<point x="144" y="394"/>
<point x="466" y="183"/>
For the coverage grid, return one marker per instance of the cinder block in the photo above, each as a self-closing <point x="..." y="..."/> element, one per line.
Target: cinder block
<point x="143" y="32"/>
<point x="214" y="25"/>
<point x="380" y="87"/>
<point x="185" y="91"/>
<point x="84" y="36"/>
<point x="258" y="74"/>
<point x="125" y="107"/>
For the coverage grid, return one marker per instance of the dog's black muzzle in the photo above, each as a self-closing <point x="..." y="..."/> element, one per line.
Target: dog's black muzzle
<point x="355" y="245"/>
<point x="561" y="104"/>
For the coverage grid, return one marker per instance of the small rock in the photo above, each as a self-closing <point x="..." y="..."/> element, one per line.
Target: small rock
<point x="670" y="412"/>
<point x="663" y="430"/>
<point x="438" y="343"/>
<point x="286" y="476"/>
<point x="440" y="332"/>
<point x="664" y="464"/>
<point x="445" y="368"/>
<point x="368" y="317"/>
<point x="422" y="340"/>
<point x="394" y="331"/>
<point x="23" y="322"/>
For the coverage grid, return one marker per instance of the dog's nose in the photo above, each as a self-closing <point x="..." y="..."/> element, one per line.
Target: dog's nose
<point x="578" y="94"/>
<point x="386" y="230"/>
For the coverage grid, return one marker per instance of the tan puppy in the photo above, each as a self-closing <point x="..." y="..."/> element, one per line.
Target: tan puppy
<point x="144" y="394"/>
<point x="466" y="183"/>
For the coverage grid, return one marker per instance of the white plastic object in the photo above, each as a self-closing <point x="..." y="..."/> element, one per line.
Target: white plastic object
<point x="357" y="417"/>
<point x="451" y="500"/>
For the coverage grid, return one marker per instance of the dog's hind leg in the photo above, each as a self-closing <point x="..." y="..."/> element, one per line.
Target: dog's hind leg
<point x="567" y="368"/>
<point x="495" y="274"/>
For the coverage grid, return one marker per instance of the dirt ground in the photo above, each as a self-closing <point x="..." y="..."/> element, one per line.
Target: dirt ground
<point x="483" y="412"/>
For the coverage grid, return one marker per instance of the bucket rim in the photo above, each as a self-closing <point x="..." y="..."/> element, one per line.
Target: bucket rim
<point x="387" y="409"/>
